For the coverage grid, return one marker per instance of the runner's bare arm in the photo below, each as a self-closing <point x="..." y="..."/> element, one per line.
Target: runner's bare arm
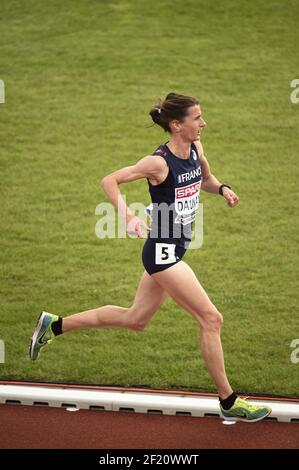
<point x="210" y="183"/>
<point x="148" y="167"/>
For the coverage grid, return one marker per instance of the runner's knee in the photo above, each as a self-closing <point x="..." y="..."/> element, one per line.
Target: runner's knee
<point x="134" y="321"/>
<point x="212" y="320"/>
<point x="136" y="325"/>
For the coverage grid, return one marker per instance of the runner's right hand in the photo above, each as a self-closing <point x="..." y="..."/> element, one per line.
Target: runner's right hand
<point x="136" y="226"/>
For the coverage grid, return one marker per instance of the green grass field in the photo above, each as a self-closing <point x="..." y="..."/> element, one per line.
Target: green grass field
<point x="80" y="78"/>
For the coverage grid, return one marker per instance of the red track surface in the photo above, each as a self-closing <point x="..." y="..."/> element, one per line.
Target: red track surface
<point x="31" y="427"/>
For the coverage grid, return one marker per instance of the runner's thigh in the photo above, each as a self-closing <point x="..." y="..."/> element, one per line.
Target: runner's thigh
<point x="149" y="297"/>
<point x="180" y="282"/>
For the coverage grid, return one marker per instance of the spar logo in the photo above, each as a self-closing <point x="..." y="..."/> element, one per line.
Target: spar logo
<point x="187" y="198"/>
<point x="187" y="191"/>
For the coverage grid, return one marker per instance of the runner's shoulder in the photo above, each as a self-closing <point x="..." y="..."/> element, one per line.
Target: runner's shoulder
<point x="198" y="146"/>
<point x="155" y="163"/>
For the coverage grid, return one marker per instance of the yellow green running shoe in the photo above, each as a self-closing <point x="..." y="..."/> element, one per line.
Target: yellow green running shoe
<point x="42" y="334"/>
<point x="242" y="410"/>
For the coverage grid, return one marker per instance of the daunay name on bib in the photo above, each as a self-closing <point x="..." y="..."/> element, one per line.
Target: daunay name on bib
<point x="186" y="202"/>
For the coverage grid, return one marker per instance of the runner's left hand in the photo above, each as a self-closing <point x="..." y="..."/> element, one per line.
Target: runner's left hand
<point x="231" y="198"/>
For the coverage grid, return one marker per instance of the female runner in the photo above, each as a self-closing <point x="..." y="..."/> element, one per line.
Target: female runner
<point x="175" y="172"/>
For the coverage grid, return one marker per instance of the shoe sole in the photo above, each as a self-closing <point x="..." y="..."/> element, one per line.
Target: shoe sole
<point x="35" y="335"/>
<point x="231" y="418"/>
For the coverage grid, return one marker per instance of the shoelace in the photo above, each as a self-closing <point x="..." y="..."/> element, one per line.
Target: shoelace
<point x="250" y="406"/>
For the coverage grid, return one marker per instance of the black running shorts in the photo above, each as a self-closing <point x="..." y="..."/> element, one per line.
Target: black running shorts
<point x="158" y="254"/>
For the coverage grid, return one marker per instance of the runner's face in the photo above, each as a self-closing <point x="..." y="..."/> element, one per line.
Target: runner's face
<point x="192" y="125"/>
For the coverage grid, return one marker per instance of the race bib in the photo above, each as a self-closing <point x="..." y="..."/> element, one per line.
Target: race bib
<point x="165" y="253"/>
<point x="186" y="202"/>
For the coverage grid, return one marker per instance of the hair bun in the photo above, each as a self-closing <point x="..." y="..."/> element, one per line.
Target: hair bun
<point x="156" y="114"/>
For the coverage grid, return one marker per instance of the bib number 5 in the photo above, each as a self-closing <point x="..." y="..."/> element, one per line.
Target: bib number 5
<point x="165" y="253"/>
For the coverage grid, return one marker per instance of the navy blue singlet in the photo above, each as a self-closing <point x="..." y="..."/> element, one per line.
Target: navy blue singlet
<point x="173" y="209"/>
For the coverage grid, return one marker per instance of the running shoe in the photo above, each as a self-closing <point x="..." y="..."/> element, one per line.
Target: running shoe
<point x="242" y="410"/>
<point x="42" y="334"/>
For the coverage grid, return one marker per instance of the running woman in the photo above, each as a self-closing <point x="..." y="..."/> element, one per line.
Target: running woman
<point x="175" y="172"/>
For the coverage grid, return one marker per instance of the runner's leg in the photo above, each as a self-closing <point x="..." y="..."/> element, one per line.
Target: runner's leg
<point x="149" y="297"/>
<point x="180" y="282"/>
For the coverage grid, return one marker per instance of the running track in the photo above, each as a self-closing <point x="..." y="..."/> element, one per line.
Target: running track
<point x="34" y="427"/>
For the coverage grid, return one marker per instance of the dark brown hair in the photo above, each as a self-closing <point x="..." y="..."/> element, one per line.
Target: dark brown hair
<point x="174" y="106"/>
